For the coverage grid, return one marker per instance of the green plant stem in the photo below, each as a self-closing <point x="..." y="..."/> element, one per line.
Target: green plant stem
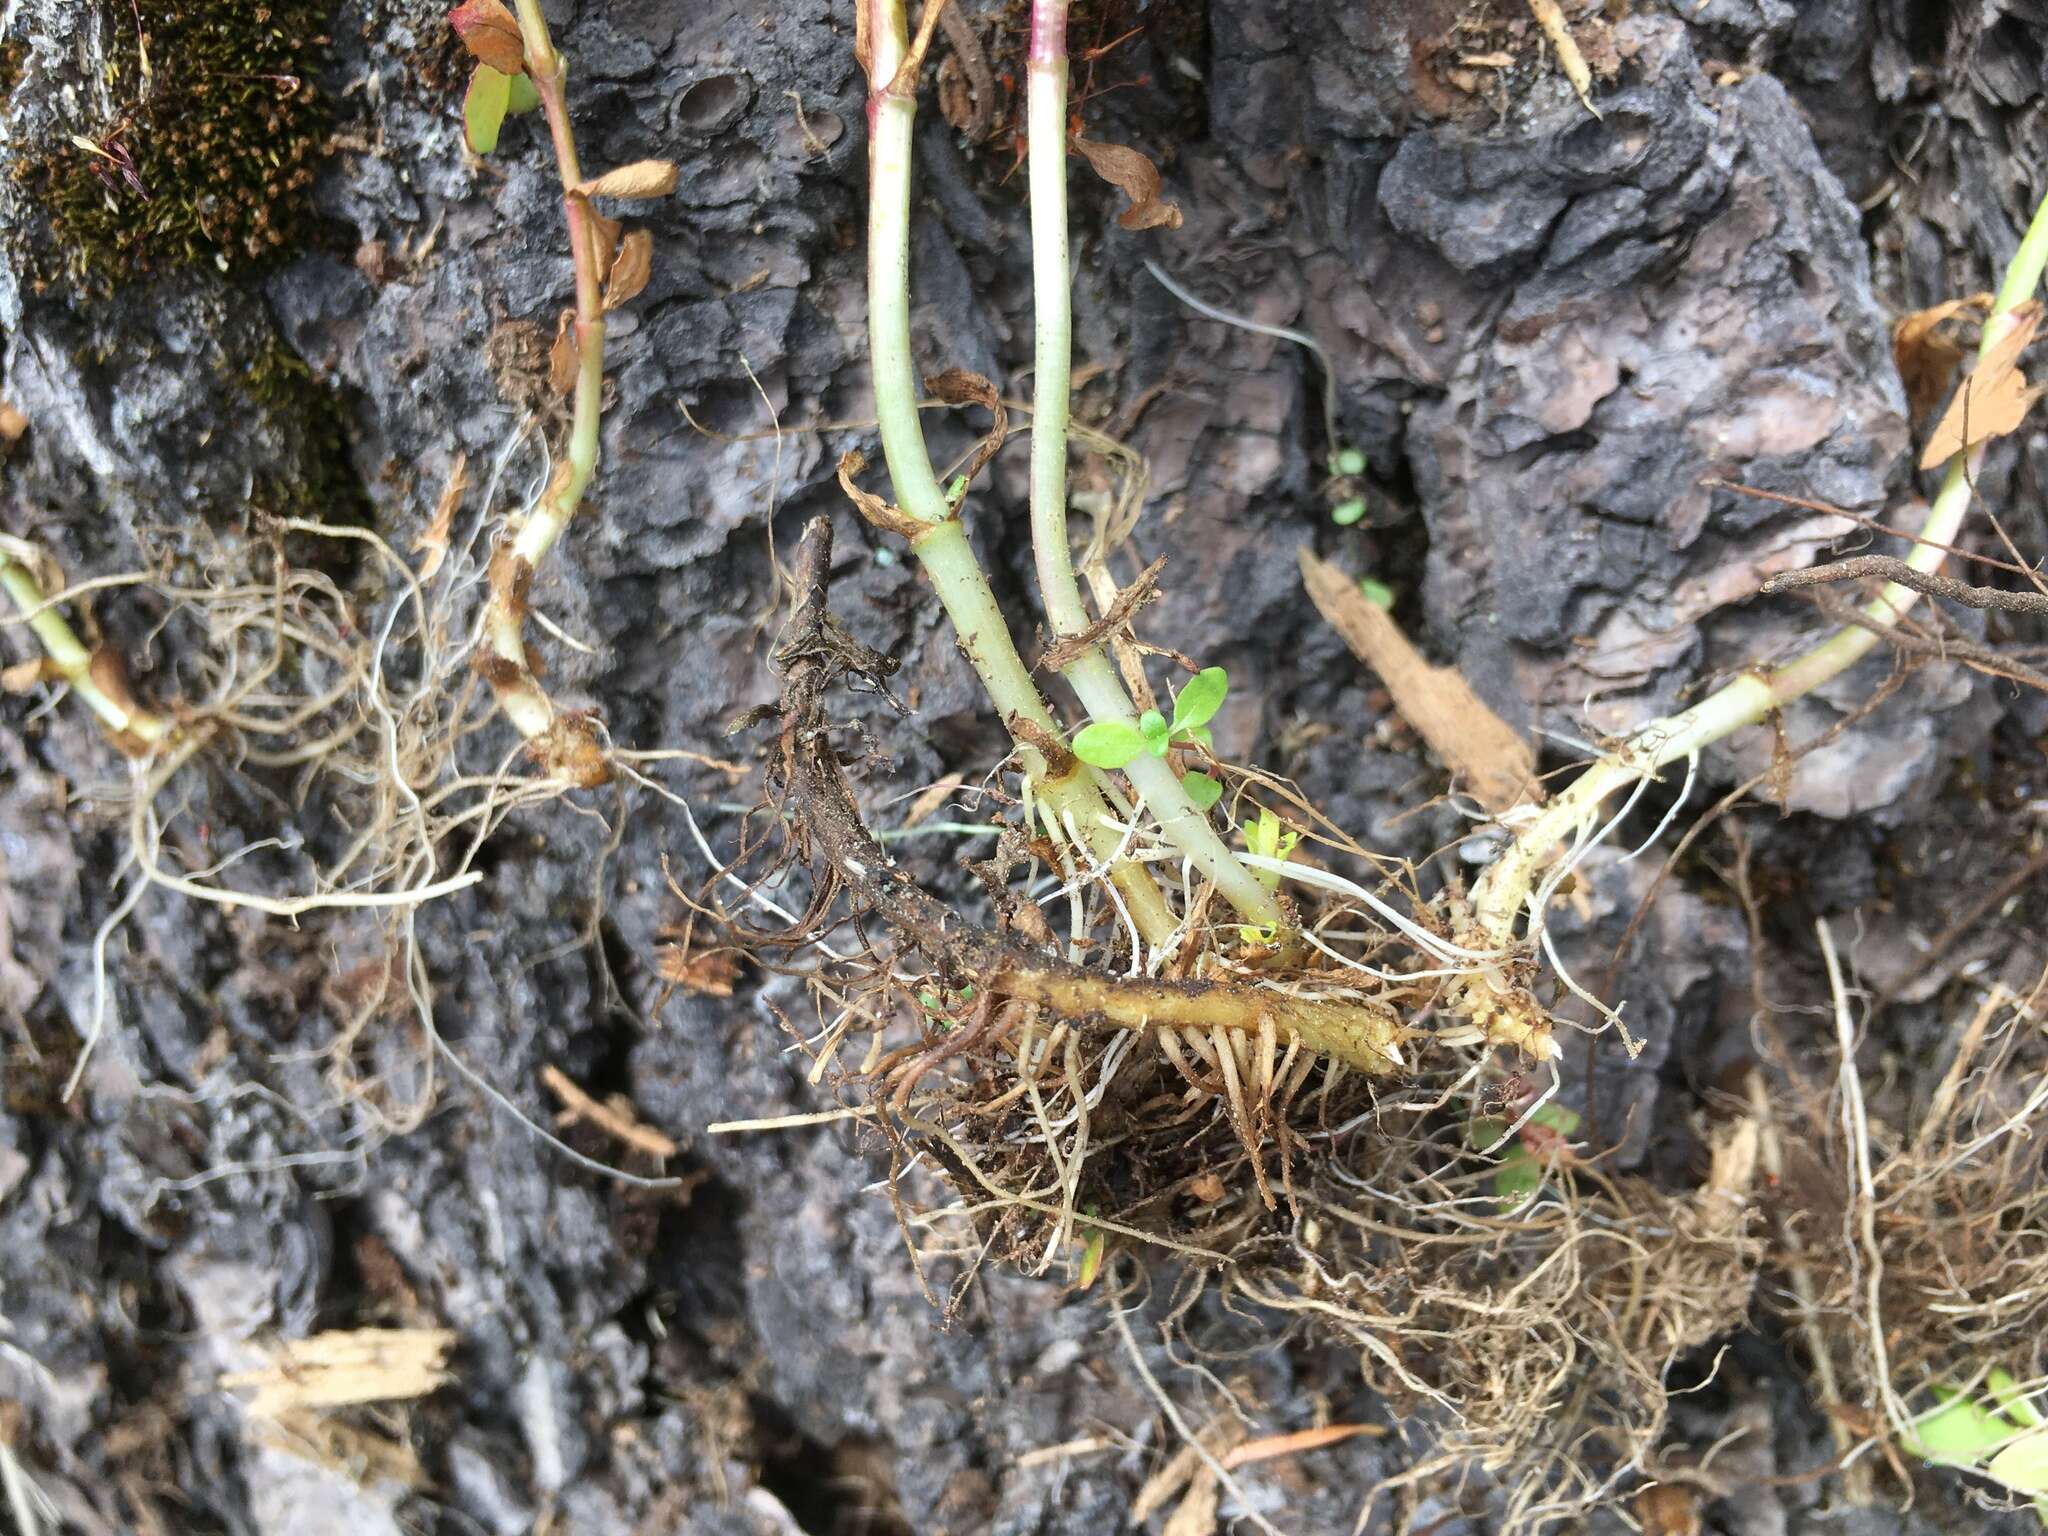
<point x="1092" y="675"/>
<point x="1072" y="794"/>
<point x="72" y="661"/>
<point x="1504" y="890"/>
<point x="519" y="692"/>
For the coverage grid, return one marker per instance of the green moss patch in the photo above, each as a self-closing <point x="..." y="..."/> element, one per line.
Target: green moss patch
<point x="209" y="161"/>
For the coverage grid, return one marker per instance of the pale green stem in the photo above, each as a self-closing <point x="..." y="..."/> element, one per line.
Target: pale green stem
<point x="1504" y="890"/>
<point x="1091" y="674"/>
<point x="519" y="693"/>
<point x="70" y="658"/>
<point x="1074" y="797"/>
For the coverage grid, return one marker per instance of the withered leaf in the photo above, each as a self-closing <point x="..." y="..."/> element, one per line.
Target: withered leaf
<point x="629" y="272"/>
<point x="23" y="675"/>
<point x="643" y="178"/>
<point x="562" y="356"/>
<point x="604" y="240"/>
<point x="1137" y="178"/>
<point x="1925" y="354"/>
<point x="12" y="425"/>
<point x="433" y="539"/>
<point x="710" y="973"/>
<point x="877" y="511"/>
<point x="1994" y="399"/>
<point x="491" y="33"/>
<point x="957" y="386"/>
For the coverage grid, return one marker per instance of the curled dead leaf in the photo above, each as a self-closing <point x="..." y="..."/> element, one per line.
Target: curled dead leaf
<point x="491" y="34"/>
<point x="1926" y="356"/>
<point x="956" y="386"/>
<point x="604" y="240"/>
<point x="643" y="178"/>
<point x="870" y="506"/>
<point x="562" y="356"/>
<point x="1134" y="174"/>
<point x="24" y="675"/>
<point x="1994" y="399"/>
<point x="630" y="271"/>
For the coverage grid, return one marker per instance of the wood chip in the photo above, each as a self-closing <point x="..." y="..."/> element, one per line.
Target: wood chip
<point x="615" y="1117"/>
<point x="345" y="1366"/>
<point x="1497" y="765"/>
<point x="433" y="539"/>
<point x="1272" y="1447"/>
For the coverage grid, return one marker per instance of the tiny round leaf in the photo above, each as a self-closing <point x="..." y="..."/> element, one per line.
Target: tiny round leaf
<point x="1203" y="790"/>
<point x="1347" y="512"/>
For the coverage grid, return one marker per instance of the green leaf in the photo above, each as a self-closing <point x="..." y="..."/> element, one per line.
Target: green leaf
<point x="524" y="95"/>
<point x="1960" y="1433"/>
<point x="1347" y="512"/>
<point x="2016" y="1404"/>
<point x="1153" y="725"/>
<point x="956" y="490"/>
<point x="1091" y="1253"/>
<point x="1108" y="743"/>
<point x="1203" y="790"/>
<point x="1348" y="461"/>
<point x="483" y="109"/>
<point x="1378" y="593"/>
<point x="1199" y="701"/>
<point x="2023" y="1465"/>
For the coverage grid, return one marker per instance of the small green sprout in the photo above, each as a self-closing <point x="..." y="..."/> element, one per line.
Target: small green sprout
<point x="1521" y="1169"/>
<point x="1267" y="838"/>
<point x="1347" y="461"/>
<point x="1114" y="743"/>
<point x="1378" y="593"/>
<point x="1348" y="511"/>
<point x="956" y="492"/>
<point x="1093" y="1242"/>
<point x="2007" y="1444"/>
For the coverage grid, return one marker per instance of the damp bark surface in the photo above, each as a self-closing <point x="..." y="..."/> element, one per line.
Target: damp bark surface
<point x="1548" y="333"/>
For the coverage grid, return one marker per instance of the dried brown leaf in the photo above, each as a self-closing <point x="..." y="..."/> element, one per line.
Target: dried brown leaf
<point x="1134" y="174"/>
<point x="491" y="34"/>
<point x="433" y="540"/>
<point x="1994" y="399"/>
<point x="604" y="240"/>
<point x="629" y="272"/>
<point x="956" y="386"/>
<point x="870" y="506"/>
<point x="563" y="357"/>
<point x="711" y="973"/>
<point x="12" y="425"/>
<point x="1926" y="356"/>
<point x="643" y="178"/>
<point x="23" y="675"/>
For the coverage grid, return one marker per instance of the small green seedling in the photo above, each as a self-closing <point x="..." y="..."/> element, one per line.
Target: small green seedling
<point x="1348" y="511"/>
<point x="1521" y="1170"/>
<point x="1093" y="1241"/>
<point x="1115" y="743"/>
<point x="2007" y="1443"/>
<point x="1378" y="593"/>
<point x="1267" y="837"/>
<point x="1347" y="461"/>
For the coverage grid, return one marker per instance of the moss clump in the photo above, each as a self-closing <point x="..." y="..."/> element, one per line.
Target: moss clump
<point x="282" y="388"/>
<point x="211" y="157"/>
